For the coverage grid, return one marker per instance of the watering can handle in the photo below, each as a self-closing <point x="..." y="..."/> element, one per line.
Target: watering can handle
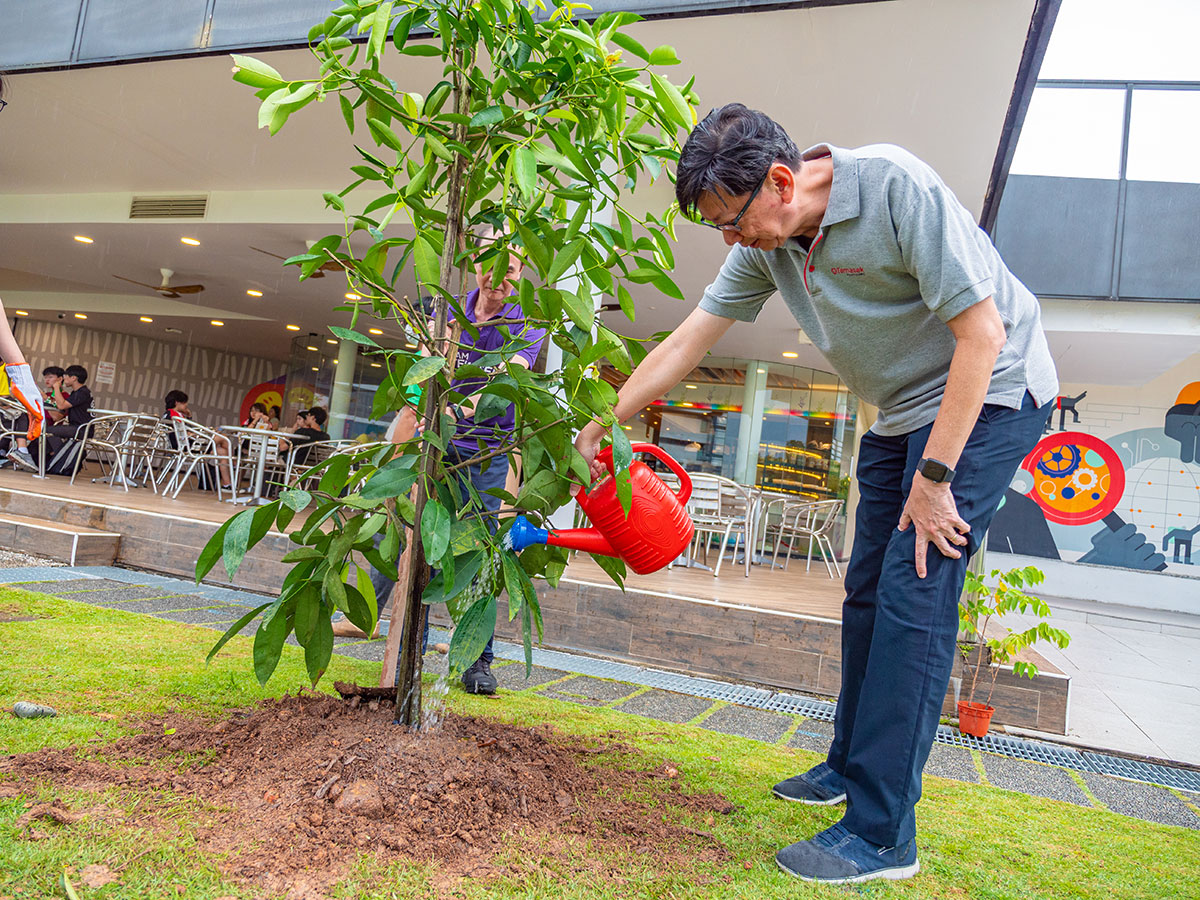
<point x="685" y="481"/>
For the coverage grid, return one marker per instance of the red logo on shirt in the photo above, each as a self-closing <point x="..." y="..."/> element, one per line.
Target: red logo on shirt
<point x="839" y="270"/>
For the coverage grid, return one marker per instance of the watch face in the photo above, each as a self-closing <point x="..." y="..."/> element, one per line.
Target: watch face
<point x="933" y="470"/>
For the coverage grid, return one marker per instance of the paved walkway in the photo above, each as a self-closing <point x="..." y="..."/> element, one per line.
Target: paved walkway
<point x="217" y="608"/>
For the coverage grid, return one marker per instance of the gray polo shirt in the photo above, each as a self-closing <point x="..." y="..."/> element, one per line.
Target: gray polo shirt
<point x="897" y="256"/>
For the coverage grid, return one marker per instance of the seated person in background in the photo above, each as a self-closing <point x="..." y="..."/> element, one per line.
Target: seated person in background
<point x="73" y="401"/>
<point x="51" y="375"/>
<point x="310" y="425"/>
<point x="258" y="418"/>
<point x="176" y="403"/>
<point x="275" y="413"/>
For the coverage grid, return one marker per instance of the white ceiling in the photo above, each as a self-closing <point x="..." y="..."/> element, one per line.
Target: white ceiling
<point x="934" y="76"/>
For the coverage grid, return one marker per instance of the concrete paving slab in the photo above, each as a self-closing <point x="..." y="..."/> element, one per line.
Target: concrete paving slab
<point x="590" y="691"/>
<point x="952" y="762"/>
<point x="665" y="706"/>
<point x="813" y="734"/>
<point x="191" y="616"/>
<point x="1032" y="778"/>
<point x="127" y="576"/>
<point x="66" y="586"/>
<point x="1141" y="801"/>
<point x="744" y="721"/>
<point x="512" y="677"/>
<point x="22" y="574"/>
<point x="176" y="602"/>
<point x="120" y="596"/>
<point x="225" y="622"/>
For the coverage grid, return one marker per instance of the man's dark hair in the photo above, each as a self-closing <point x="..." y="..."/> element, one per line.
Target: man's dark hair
<point x="56" y="371"/>
<point x="79" y="373"/>
<point x="175" y="397"/>
<point x="320" y="415"/>
<point x="732" y="149"/>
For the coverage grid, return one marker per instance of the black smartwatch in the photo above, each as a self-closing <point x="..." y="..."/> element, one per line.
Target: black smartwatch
<point x="937" y="472"/>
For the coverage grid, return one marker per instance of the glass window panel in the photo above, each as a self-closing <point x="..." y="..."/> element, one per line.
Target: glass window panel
<point x="1164" y="137"/>
<point x="1072" y="133"/>
<point x="1151" y="40"/>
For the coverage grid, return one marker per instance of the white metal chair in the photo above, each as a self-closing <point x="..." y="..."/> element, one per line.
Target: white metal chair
<point x="721" y="507"/>
<point x="109" y="439"/>
<point x="196" y="445"/>
<point x="812" y="521"/>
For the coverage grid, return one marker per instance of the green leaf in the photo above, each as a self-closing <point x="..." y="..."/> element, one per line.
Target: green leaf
<point x="553" y="158"/>
<point x="255" y="73"/>
<point x="237" y="540"/>
<point x="435" y="529"/>
<point x="383" y="134"/>
<point x="472" y="633"/>
<point x="622" y="450"/>
<point x="319" y="649"/>
<point x="379" y="29"/>
<point x="626" y="301"/>
<point x="565" y="259"/>
<point x="212" y="552"/>
<point x="357" y="610"/>
<point x="268" y="645"/>
<point x="335" y="588"/>
<point x="389" y="482"/>
<point x="487" y="116"/>
<point x="424" y="369"/>
<point x="337" y="472"/>
<point x="525" y="171"/>
<point x="516" y="584"/>
<point x="580" y="308"/>
<point x="663" y="56"/>
<point x="539" y="493"/>
<point x="421" y="50"/>
<point x="347" y="111"/>
<point x="672" y="101"/>
<point x="427" y="260"/>
<point x="615" y="568"/>
<point x="295" y="499"/>
<point x="349" y="334"/>
<point x="308" y="609"/>
<point x="234" y="629"/>
<point x="625" y="42"/>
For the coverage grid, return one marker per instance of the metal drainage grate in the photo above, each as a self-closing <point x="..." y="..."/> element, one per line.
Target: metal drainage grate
<point x="744" y="695"/>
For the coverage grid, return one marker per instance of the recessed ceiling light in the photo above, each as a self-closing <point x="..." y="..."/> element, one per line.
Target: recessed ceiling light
<point x="411" y="346"/>
<point x="293" y="327"/>
<point x="84" y="239"/>
<point x="191" y="242"/>
<point x="310" y="347"/>
<point x="20" y="312"/>
<point x="690" y="387"/>
<point x="376" y="365"/>
<point x="374" y="331"/>
<point x="353" y="297"/>
<point x="216" y="322"/>
<point x="316" y="368"/>
<point x="762" y="371"/>
<point x="81" y="315"/>
<point x="788" y="354"/>
<point x="254" y="293"/>
<point x="330" y="341"/>
<point x="145" y="319"/>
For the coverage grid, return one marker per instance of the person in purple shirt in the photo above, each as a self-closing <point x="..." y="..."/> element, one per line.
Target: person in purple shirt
<point x="500" y="321"/>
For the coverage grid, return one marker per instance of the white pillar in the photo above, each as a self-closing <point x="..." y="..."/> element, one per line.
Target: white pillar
<point x="343" y="384"/>
<point x="745" y="466"/>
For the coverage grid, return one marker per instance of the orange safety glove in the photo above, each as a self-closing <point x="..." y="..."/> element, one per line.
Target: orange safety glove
<point x="25" y="389"/>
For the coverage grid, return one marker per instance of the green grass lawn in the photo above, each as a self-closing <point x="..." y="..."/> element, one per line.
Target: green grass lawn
<point x="104" y="669"/>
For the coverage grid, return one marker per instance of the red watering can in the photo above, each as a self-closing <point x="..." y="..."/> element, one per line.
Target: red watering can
<point x="656" y="531"/>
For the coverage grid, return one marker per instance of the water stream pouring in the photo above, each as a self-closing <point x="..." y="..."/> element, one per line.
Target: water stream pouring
<point x="656" y="531"/>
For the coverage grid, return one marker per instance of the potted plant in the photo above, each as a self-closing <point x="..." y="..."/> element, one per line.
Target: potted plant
<point x="981" y="601"/>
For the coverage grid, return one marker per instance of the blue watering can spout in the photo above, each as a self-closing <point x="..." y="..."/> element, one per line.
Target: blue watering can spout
<point x="525" y="534"/>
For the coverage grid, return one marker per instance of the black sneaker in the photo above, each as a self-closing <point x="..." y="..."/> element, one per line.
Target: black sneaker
<point x="479" y="678"/>
<point x="819" y="786"/>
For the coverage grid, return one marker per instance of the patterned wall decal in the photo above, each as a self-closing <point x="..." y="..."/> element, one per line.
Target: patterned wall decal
<point x="269" y="393"/>
<point x="1183" y="423"/>
<point x="215" y="381"/>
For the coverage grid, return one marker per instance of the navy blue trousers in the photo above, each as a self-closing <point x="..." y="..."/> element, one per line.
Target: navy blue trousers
<point x="898" y="630"/>
<point x="493" y="478"/>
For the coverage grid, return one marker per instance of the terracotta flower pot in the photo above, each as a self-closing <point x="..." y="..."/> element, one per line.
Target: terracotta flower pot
<point x="974" y="718"/>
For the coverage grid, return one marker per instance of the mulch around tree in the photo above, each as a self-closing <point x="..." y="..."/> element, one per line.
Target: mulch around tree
<point x="294" y="791"/>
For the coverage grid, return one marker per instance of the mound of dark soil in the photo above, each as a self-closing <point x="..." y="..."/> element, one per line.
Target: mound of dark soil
<point x="297" y="789"/>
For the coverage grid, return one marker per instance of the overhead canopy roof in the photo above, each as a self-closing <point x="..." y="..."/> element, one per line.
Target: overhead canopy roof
<point x="935" y="76"/>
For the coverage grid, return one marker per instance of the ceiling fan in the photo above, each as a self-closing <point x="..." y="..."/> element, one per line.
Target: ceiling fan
<point x="166" y="288"/>
<point x="330" y="266"/>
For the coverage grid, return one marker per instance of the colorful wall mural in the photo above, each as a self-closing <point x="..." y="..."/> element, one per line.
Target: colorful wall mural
<point x="1129" y="499"/>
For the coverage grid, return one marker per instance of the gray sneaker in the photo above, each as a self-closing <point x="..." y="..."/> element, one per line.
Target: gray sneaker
<point x="819" y="786"/>
<point x="20" y="457"/>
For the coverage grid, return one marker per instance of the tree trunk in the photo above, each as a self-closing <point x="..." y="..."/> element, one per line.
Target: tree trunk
<point x="418" y="576"/>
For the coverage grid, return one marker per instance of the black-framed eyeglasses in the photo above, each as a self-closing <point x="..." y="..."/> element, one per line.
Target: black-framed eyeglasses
<point x="733" y="225"/>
